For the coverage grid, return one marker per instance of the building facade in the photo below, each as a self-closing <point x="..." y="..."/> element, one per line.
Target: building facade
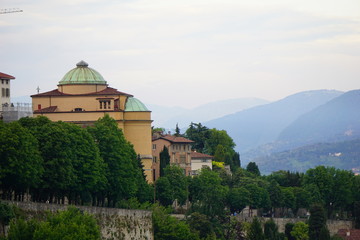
<point x="199" y="161"/>
<point x="179" y="151"/>
<point x="5" y="90"/>
<point x="83" y="96"/>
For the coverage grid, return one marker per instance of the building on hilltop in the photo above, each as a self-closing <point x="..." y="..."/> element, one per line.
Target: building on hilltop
<point x="9" y="111"/>
<point x="199" y="161"/>
<point x="179" y="151"/>
<point x="83" y="96"/>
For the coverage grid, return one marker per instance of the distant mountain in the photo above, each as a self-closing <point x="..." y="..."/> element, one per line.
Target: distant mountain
<point x="259" y="125"/>
<point x="343" y="155"/>
<point x="337" y="120"/>
<point x="168" y="117"/>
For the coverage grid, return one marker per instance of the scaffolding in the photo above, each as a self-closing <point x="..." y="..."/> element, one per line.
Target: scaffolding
<point x="13" y="112"/>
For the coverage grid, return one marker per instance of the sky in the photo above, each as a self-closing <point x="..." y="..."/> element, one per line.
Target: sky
<point x="185" y="52"/>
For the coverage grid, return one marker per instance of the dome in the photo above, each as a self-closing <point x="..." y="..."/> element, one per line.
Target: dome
<point x="135" y="105"/>
<point x="82" y="74"/>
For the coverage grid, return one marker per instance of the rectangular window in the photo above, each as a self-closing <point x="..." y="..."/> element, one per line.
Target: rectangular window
<point x="3" y="92"/>
<point x="154" y="159"/>
<point x="182" y="158"/>
<point x="7" y="81"/>
<point x="7" y="92"/>
<point x="154" y="146"/>
<point x="105" y="104"/>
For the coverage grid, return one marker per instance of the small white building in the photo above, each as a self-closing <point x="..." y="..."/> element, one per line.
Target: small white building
<point x="200" y="160"/>
<point x="5" y="90"/>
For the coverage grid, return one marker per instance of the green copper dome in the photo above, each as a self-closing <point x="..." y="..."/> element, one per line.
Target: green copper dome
<point x="82" y="74"/>
<point x="135" y="105"/>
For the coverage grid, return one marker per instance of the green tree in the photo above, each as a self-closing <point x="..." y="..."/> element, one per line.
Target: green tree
<point x="121" y="166"/>
<point x="177" y="131"/>
<point x="300" y="231"/>
<point x="253" y="168"/>
<point x="6" y="214"/>
<point x="219" y="137"/>
<point x="20" y="160"/>
<point x="255" y="232"/>
<point x="200" y="224"/>
<point x="271" y="230"/>
<point x="164" y="160"/>
<point x="69" y="224"/>
<point x="288" y="229"/>
<point x="239" y="198"/>
<point x="167" y="227"/>
<point x="199" y="134"/>
<point x="207" y="194"/>
<point x="317" y="221"/>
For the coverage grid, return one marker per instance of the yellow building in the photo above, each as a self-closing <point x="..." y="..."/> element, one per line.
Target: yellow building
<point x="83" y="96"/>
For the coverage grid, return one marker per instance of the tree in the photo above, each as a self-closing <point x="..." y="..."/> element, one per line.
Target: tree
<point x="200" y="224"/>
<point x="69" y="224"/>
<point x="20" y="160"/>
<point x="288" y="229"/>
<point x="300" y="231"/>
<point x="317" y="221"/>
<point x="207" y="194"/>
<point x="177" y="131"/>
<point x="6" y="214"/>
<point x="164" y="160"/>
<point x="122" y="169"/>
<point x="167" y="227"/>
<point x="271" y="230"/>
<point x="239" y="198"/>
<point x="255" y="232"/>
<point x="199" y="134"/>
<point x="253" y="168"/>
<point x="219" y="137"/>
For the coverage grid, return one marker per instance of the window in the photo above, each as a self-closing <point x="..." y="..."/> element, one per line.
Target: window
<point x="78" y="109"/>
<point x="203" y="160"/>
<point x="154" y="159"/>
<point x="182" y="158"/>
<point x="154" y="146"/>
<point x="105" y="104"/>
<point x="3" y="92"/>
<point x="7" y="92"/>
<point x="7" y="81"/>
<point x="2" y="81"/>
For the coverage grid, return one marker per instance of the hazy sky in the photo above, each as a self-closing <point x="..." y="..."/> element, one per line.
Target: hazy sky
<point x="185" y="52"/>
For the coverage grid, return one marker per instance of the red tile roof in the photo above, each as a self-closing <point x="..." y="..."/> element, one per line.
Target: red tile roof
<point x="174" y="139"/>
<point x="194" y="155"/>
<point x="352" y="234"/>
<point x="6" y="76"/>
<point x="46" y="110"/>
<point x="106" y="91"/>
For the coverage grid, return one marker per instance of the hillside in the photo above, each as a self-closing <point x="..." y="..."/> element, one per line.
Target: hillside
<point x="263" y="124"/>
<point x="337" y="120"/>
<point x="168" y="117"/>
<point x="343" y="155"/>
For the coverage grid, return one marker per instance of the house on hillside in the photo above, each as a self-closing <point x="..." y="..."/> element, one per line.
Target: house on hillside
<point x="179" y="151"/>
<point x="200" y="160"/>
<point x="83" y="96"/>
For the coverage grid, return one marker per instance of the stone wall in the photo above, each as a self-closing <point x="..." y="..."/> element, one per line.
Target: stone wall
<point x="114" y="223"/>
<point x="333" y="225"/>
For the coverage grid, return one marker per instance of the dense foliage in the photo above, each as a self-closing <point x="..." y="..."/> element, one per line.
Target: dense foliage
<point x="69" y="224"/>
<point x="51" y="161"/>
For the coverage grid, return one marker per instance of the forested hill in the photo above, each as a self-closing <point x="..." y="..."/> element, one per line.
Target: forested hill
<point x="263" y="124"/>
<point x="343" y="155"/>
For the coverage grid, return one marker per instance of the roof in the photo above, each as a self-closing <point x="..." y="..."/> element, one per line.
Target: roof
<point x="194" y="155"/>
<point x="352" y="234"/>
<point x="106" y="91"/>
<point x="174" y="139"/>
<point x="6" y="76"/>
<point x="82" y="74"/>
<point x="46" y="110"/>
<point x="135" y="105"/>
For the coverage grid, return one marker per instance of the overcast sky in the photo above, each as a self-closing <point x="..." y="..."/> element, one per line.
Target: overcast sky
<point x="185" y="52"/>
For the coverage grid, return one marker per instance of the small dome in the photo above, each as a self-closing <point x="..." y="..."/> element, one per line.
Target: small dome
<point x="82" y="74"/>
<point x="135" y="105"/>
